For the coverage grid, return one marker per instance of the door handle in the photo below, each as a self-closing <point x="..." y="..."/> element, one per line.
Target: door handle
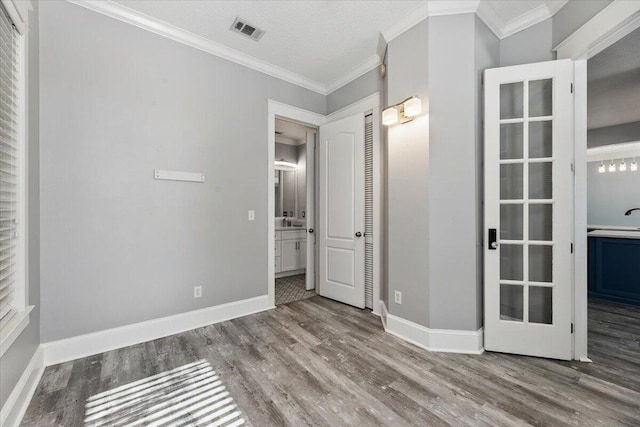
<point x="358" y="234"/>
<point x="311" y="230"/>
<point x="493" y="239"/>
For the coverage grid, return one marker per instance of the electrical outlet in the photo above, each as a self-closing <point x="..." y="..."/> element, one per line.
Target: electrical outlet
<point x="197" y="291"/>
<point x="252" y="215"/>
<point x="398" y="297"/>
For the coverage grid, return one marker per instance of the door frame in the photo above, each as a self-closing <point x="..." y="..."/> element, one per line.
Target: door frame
<point x="607" y="27"/>
<point x="276" y="109"/>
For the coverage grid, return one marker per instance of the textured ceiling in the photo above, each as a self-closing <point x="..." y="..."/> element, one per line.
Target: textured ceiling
<point x="319" y="40"/>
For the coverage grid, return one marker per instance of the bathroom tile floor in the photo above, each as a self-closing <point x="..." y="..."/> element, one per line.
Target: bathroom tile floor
<point x="292" y="288"/>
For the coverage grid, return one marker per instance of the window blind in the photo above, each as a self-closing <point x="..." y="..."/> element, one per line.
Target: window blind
<point x="9" y="67"/>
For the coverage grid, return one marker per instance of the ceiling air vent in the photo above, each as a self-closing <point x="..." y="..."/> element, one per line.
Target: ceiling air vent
<point x="242" y="27"/>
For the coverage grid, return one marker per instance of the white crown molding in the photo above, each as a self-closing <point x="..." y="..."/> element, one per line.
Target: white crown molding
<point x="490" y="17"/>
<point x="627" y="150"/>
<point x="98" y="342"/>
<point x="430" y="8"/>
<point x="18" y="401"/>
<point x="360" y="70"/>
<point x="526" y="20"/>
<point x="140" y="20"/>
<point x="613" y="22"/>
<point x="504" y="29"/>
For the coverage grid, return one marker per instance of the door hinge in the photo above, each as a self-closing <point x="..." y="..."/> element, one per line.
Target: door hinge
<point x="572" y="328"/>
<point x="573" y="168"/>
<point x="572" y="248"/>
<point x="572" y="87"/>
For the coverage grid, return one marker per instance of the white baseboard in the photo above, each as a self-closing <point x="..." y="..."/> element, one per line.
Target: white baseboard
<point x="98" y="342"/>
<point x="16" y="405"/>
<point x="440" y="340"/>
<point x="383" y="314"/>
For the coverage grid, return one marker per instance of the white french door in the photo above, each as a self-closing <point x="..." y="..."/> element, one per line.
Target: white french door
<point x="341" y="213"/>
<point x="310" y="272"/>
<point x="529" y="209"/>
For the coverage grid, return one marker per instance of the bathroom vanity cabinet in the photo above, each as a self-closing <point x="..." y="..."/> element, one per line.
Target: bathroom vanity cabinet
<point x="614" y="266"/>
<point x="290" y="250"/>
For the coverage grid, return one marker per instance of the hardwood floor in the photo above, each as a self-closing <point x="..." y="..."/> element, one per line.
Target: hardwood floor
<point x="320" y="363"/>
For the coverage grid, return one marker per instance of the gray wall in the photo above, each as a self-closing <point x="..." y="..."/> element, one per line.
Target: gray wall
<point x="534" y="44"/>
<point x="628" y="132"/>
<point x="118" y="102"/>
<point x="455" y="278"/>
<point x="434" y="169"/>
<point x="15" y="359"/>
<point x="365" y="85"/>
<point x="286" y="152"/>
<point x="487" y="56"/>
<point x="408" y="178"/>
<point x="610" y="195"/>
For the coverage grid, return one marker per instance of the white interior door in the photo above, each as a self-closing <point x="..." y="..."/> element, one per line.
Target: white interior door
<point x="341" y="213"/>
<point x="310" y="277"/>
<point x="529" y="209"/>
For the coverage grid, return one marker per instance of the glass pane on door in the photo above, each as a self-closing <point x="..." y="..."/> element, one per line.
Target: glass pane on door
<point x="526" y="201"/>
<point x="540" y="304"/>
<point x="511" y="305"/>
<point x="511" y="100"/>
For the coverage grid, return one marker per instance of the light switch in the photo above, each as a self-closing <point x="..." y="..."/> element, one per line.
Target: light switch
<point x="252" y="215"/>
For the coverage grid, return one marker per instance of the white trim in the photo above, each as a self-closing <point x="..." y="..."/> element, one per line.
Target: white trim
<point x="275" y="108"/>
<point x="146" y="22"/>
<point x="431" y="8"/>
<point x="365" y="104"/>
<point x="383" y="313"/>
<point x="439" y="340"/>
<point x="98" y="342"/>
<point x="368" y="65"/>
<point x="610" y="25"/>
<point x="485" y="12"/>
<point x="580" y="317"/>
<point x="18" y="401"/>
<point x="18" y="13"/>
<point x="615" y="152"/>
<point x="15" y="327"/>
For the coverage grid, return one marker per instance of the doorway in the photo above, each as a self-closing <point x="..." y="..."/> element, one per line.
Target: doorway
<point x="294" y="185"/>
<point x="369" y="109"/>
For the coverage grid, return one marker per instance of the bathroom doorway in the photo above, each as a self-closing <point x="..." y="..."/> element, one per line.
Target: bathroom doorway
<point x="294" y="184"/>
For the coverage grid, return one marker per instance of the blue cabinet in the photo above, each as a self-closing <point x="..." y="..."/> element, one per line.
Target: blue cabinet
<point x="614" y="269"/>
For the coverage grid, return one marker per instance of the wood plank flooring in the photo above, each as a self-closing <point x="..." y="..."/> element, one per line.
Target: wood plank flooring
<point x="316" y="362"/>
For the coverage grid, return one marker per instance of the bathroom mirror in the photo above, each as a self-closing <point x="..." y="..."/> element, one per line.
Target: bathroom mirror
<point x="285" y="182"/>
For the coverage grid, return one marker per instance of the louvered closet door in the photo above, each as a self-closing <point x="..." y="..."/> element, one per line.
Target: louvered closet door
<point x="368" y="210"/>
<point x="9" y="64"/>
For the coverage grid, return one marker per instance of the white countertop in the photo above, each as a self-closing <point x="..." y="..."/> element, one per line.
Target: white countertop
<point x="616" y="234"/>
<point x="613" y="227"/>
<point x="292" y="228"/>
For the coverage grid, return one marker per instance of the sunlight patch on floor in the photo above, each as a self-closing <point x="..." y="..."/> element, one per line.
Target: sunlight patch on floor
<point x="192" y="394"/>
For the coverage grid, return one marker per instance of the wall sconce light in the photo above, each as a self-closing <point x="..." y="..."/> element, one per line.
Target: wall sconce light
<point x="634" y="166"/>
<point x="284" y="165"/>
<point x="612" y="166"/>
<point x="403" y="112"/>
<point x="601" y="168"/>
